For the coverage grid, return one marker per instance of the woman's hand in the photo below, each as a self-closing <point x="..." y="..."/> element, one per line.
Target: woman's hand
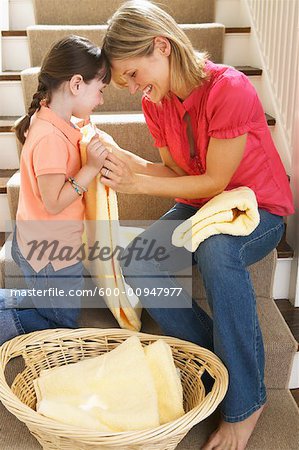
<point x="96" y="153"/>
<point x="117" y="175"/>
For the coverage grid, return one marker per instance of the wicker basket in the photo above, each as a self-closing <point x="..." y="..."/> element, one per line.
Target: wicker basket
<point x="52" y="348"/>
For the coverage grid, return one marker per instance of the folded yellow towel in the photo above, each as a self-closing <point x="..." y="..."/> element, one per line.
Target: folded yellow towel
<point x="167" y="381"/>
<point x="232" y="212"/>
<point x="102" y="226"/>
<point x="128" y="388"/>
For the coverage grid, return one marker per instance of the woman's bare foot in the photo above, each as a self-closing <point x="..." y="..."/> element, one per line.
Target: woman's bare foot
<point x="233" y="436"/>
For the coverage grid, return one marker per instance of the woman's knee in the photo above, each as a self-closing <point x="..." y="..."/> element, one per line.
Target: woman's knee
<point x="217" y="252"/>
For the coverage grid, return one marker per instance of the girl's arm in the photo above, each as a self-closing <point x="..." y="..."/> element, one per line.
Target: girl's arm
<point x="223" y="159"/>
<point x="57" y="193"/>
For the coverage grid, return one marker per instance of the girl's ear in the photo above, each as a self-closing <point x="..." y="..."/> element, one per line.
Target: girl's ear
<point x="163" y="45"/>
<point x="75" y="84"/>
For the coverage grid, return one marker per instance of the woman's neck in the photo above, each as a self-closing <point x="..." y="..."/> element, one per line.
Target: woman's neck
<point x="183" y="93"/>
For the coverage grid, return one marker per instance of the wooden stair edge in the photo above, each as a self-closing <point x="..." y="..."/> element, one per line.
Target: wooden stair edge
<point x="228" y="30"/>
<point x="5" y="175"/>
<point x="4" y="128"/>
<point x="247" y="70"/>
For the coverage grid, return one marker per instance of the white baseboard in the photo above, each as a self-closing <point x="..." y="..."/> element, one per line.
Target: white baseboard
<point x="21" y="14"/>
<point x="11" y="94"/>
<point x="9" y="158"/>
<point x="294" y="378"/>
<point x="4" y="214"/>
<point x="282" y="276"/>
<point x="231" y="13"/>
<point x="15" y="53"/>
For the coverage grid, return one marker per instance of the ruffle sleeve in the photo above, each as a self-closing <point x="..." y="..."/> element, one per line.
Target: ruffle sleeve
<point x="154" y="120"/>
<point x="230" y="106"/>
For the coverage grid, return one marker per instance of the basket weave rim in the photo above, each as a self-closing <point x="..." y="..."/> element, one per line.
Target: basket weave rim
<point x="16" y="346"/>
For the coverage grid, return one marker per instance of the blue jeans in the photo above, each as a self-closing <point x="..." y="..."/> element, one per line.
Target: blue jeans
<point x="22" y="313"/>
<point x="234" y="333"/>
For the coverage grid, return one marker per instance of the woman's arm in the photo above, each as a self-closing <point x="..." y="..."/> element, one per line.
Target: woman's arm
<point x="57" y="193"/>
<point x="223" y="159"/>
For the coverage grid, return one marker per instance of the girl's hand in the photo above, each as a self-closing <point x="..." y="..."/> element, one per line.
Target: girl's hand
<point x="96" y="153"/>
<point x="117" y="175"/>
<point x="111" y="145"/>
<point x="108" y="140"/>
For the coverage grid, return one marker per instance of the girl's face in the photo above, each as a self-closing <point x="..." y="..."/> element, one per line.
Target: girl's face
<point x="148" y="74"/>
<point x="90" y="95"/>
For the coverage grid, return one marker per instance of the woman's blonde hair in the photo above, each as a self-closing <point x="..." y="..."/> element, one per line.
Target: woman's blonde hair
<point x="131" y="33"/>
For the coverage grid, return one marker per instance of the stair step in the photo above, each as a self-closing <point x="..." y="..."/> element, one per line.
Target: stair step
<point x="238" y="30"/>
<point x="5" y="175"/>
<point x="2" y="239"/>
<point x="284" y="248"/>
<point x="276" y="429"/>
<point x="250" y="71"/>
<point x="7" y="122"/>
<point x="14" y="33"/>
<point x="284" y="251"/>
<point x="270" y="120"/>
<point x="291" y="315"/>
<point x="235" y="50"/>
<point x="98" y="11"/>
<point x="115" y="99"/>
<point x="10" y="76"/>
<point x="16" y="75"/>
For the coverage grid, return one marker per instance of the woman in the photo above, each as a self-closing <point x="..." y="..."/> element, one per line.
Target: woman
<point x="211" y="131"/>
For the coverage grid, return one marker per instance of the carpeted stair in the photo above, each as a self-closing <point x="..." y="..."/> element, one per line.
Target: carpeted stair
<point x="121" y="116"/>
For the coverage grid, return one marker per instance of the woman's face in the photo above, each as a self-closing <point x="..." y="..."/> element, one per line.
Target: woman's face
<point x="148" y="74"/>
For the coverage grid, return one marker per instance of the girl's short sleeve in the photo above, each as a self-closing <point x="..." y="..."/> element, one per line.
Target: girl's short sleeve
<point x="50" y="155"/>
<point x="230" y="106"/>
<point x="154" y="121"/>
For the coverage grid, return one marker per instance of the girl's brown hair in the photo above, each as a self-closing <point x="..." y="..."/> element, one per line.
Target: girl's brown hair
<point x="70" y="56"/>
<point x="131" y="33"/>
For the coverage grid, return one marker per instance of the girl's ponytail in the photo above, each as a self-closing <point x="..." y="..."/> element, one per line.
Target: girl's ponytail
<point x="22" y="125"/>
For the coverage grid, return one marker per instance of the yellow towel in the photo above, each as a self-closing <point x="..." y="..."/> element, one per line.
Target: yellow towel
<point x="102" y="226"/>
<point x="232" y="212"/>
<point x="167" y="381"/>
<point x="129" y="388"/>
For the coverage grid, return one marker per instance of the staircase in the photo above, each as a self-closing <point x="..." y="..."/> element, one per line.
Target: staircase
<point x="121" y="116"/>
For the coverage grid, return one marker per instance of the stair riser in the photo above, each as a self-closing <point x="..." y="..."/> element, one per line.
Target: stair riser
<point x="237" y="49"/>
<point x="9" y="158"/>
<point x="294" y="378"/>
<point x="229" y="12"/>
<point x="21" y="14"/>
<point x="11" y="96"/>
<point x="282" y="278"/>
<point x="15" y="51"/>
<point x="5" y="219"/>
<point x="232" y="13"/>
<point x="12" y="103"/>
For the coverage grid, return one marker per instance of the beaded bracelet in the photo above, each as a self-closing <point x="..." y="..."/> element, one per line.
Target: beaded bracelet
<point x="79" y="189"/>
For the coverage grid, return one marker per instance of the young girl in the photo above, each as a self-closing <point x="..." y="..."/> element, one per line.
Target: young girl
<point x="50" y="213"/>
<point x="210" y="128"/>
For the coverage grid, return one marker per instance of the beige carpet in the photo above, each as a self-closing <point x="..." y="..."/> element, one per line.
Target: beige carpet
<point x="278" y="428"/>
